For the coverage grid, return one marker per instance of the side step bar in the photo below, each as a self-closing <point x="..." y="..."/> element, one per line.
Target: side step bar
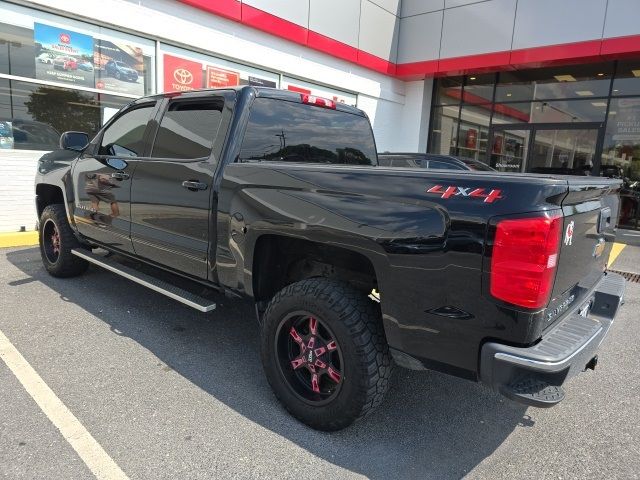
<point x="165" y="288"/>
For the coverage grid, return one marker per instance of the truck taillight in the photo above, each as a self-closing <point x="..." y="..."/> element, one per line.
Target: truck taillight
<point x="318" y="101"/>
<point x="524" y="260"/>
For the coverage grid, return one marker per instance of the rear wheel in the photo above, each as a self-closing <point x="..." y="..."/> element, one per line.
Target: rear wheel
<point x="56" y="242"/>
<point x="324" y="352"/>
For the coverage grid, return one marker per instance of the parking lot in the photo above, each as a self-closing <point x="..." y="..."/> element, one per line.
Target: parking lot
<point x="171" y="393"/>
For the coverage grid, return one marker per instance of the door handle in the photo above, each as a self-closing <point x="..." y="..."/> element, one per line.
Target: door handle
<point x="194" y="185"/>
<point x="120" y="176"/>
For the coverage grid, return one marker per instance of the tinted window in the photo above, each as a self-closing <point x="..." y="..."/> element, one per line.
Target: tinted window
<point x="187" y="129"/>
<point x="124" y="137"/>
<point x="292" y="132"/>
<point x="443" y="165"/>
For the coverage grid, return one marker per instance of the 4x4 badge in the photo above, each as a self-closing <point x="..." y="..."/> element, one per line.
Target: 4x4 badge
<point x="449" y="192"/>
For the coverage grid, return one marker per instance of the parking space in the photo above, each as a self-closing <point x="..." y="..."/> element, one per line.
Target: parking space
<point x="171" y="393"/>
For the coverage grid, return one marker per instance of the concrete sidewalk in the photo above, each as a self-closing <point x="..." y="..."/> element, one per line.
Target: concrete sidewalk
<point x="625" y="258"/>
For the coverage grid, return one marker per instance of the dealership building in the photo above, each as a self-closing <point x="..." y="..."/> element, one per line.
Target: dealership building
<point x="544" y="86"/>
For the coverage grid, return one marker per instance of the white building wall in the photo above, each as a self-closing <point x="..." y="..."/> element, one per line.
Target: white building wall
<point x="382" y="97"/>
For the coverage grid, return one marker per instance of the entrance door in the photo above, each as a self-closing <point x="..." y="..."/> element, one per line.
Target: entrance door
<point x="568" y="149"/>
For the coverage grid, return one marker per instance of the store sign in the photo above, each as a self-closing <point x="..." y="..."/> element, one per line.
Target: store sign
<point x="260" y="82"/>
<point x="181" y="75"/>
<point x="63" y="55"/>
<point x="217" y="77"/>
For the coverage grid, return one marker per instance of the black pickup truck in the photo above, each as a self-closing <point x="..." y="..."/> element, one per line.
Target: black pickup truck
<point x="353" y="267"/>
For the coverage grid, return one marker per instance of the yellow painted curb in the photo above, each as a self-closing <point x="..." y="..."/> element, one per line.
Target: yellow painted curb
<point x="615" y="251"/>
<point x="18" y="239"/>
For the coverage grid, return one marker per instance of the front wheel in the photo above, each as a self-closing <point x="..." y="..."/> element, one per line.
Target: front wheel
<point x="56" y="242"/>
<point x="324" y="352"/>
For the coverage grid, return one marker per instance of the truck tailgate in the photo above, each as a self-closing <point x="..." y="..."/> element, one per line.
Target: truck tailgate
<point x="590" y="211"/>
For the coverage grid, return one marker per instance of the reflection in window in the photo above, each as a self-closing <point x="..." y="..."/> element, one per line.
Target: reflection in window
<point x="621" y="156"/>
<point x="444" y="130"/>
<point x="582" y="81"/>
<point x="33" y="116"/>
<point x="17" y="51"/>
<point x="292" y="132"/>
<point x="124" y="137"/>
<point x="187" y="129"/>
<point x="474" y="131"/>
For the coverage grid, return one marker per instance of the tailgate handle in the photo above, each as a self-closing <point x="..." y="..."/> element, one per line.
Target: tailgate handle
<point x="605" y="219"/>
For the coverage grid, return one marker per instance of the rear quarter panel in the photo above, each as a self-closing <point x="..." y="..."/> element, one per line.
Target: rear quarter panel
<point x="427" y="251"/>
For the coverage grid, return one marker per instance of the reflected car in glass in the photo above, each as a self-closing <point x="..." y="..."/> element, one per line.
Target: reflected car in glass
<point x="431" y="161"/>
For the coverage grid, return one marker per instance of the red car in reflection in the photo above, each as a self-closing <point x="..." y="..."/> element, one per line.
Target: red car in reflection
<point x="65" y="63"/>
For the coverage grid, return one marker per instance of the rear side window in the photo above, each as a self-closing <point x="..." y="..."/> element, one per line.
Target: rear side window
<point x="124" y="137"/>
<point x="280" y="131"/>
<point x="188" y="129"/>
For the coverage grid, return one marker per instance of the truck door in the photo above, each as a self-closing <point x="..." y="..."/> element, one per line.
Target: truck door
<point x="102" y="178"/>
<point x="172" y="191"/>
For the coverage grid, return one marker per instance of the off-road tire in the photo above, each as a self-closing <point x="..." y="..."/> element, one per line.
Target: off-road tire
<point x="66" y="264"/>
<point x="356" y="323"/>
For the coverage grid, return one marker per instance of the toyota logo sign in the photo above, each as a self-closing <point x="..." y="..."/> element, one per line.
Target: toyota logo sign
<point x="65" y="38"/>
<point x="183" y="76"/>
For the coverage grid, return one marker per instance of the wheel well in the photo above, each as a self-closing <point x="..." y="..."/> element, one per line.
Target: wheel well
<point x="47" y="195"/>
<point x="279" y="261"/>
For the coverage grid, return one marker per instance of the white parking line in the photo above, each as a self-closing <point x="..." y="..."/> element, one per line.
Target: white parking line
<point x="90" y="451"/>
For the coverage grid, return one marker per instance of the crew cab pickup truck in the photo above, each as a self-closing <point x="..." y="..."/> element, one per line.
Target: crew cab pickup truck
<point x="353" y="267"/>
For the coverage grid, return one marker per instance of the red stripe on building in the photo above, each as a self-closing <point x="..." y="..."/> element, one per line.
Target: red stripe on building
<point x="578" y="52"/>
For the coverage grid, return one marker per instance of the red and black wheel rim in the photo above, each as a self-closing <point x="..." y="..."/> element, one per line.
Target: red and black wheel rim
<point x="309" y="358"/>
<point x="51" y="241"/>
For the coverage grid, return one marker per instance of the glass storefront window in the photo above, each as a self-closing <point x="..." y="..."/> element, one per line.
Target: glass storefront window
<point x="448" y="91"/>
<point x="444" y="130"/>
<point x="559" y="111"/>
<point x="479" y="88"/>
<point x="32" y="116"/>
<point x="473" y="134"/>
<point x="621" y="156"/>
<point x="582" y="81"/>
<point x="627" y="81"/>
<point x="16" y="51"/>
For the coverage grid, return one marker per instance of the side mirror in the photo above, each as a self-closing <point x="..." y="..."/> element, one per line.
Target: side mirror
<point x="117" y="163"/>
<point x="74" y="141"/>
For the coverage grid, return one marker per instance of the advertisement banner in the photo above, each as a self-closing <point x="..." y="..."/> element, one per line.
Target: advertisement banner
<point x="63" y="55"/>
<point x="119" y="67"/>
<point x="217" y="77"/>
<point x="181" y="75"/>
<point x="625" y="125"/>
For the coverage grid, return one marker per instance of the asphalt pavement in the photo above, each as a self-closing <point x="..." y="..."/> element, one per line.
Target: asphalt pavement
<point x="170" y="393"/>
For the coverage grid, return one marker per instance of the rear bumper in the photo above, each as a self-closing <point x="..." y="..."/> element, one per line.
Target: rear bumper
<point x="535" y="375"/>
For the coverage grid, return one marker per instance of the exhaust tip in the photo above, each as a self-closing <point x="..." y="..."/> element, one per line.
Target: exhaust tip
<point x="592" y="363"/>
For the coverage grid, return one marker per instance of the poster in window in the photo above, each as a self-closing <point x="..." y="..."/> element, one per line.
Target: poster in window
<point x="218" y="77"/>
<point x="62" y="55"/>
<point x="181" y="75"/>
<point x="472" y="139"/>
<point x="119" y="67"/>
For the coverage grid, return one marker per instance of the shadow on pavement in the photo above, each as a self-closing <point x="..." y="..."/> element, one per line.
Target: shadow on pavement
<point x="430" y="425"/>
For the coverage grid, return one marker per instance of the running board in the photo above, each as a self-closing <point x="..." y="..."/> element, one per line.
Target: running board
<point x="165" y="288"/>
